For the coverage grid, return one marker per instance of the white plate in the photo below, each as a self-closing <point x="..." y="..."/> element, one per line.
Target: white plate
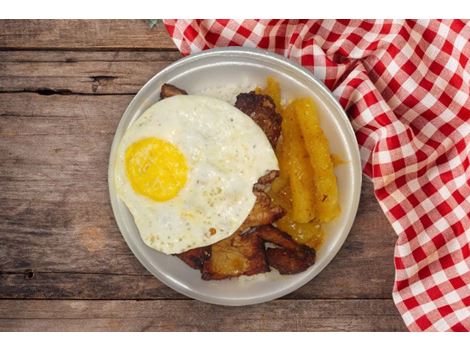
<point x="244" y="67"/>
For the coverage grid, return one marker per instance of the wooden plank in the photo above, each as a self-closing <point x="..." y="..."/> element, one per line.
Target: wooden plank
<point x="54" y="155"/>
<point x="280" y="315"/>
<point x="83" y="34"/>
<point x="113" y="72"/>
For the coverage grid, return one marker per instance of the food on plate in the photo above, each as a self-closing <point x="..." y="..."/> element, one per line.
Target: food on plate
<point x="337" y="160"/>
<point x="273" y="235"/>
<point x="196" y="257"/>
<point x="303" y="137"/>
<point x="272" y="90"/>
<point x="291" y="257"/>
<point x="326" y="194"/>
<point x="310" y="234"/>
<point x="265" y="182"/>
<point x="169" y="90"/>
<point x="299" y="169"/>
<point x="243" y="252"/>
<point x="186" y="169"/>
<point x="262" y="110"/>
<point x="263" y="212"/>
<point x="288" y="262"/>
<point x="230" y="190"/>
<point x="240" y="254"/>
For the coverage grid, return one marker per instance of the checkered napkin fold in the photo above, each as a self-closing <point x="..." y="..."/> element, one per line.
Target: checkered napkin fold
<point x="405" y="86"/>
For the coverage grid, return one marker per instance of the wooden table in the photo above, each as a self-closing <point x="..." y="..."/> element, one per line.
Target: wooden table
<point x="63" y="262"/>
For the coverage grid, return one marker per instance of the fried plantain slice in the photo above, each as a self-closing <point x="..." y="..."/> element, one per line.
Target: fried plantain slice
<point x="169" y="90"/>
<point x="262" y="110"/>
<point x="240" y="254"/>
<point x="195" y="257"/>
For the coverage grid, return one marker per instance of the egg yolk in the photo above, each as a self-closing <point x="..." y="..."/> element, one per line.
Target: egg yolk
<point x="156" y="169"/>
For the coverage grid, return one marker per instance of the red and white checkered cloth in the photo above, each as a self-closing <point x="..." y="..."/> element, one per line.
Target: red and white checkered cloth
<point x="405" y="86"/>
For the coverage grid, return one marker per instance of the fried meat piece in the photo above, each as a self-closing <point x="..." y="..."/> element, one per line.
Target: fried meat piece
<point x="268" y="178"/>
<point x="273" y="235"/>
<point x="169" y="90"/>
<point x="196" y="257"/>
<point x="243" y="253"/>
<point x="262" y="110"/>
<point x="240" y="254"/>
<point x="264" y="182"/>
<point x="290" y="262"/>
<point x="291" y="258"/>
<point x="264" y="212"/>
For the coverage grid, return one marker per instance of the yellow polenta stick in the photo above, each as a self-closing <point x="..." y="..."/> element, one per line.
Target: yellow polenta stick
<point x="281" y="181"/>
<point x="273" y="90"/>
<point x="316" y="144"/>
<point x="299" y="168"/>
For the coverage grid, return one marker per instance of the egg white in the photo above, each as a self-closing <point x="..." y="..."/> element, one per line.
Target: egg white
<point x="226" y="152"/>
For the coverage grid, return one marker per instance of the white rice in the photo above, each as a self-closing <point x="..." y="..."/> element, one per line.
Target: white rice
<point x="269" y="276"/>
<point x="227" y="92"/>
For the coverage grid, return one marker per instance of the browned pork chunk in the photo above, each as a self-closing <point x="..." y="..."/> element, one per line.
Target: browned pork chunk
<point x="228" y="257"/>
<point x="292" y="257"/>
<point x="290" y="262"/>
<point x="273" y="235"/>
<point x="243" y="253"/>
<point x="262" y="110"/>
<point x="196" y="257"/>
<point x="240" y="254"/>
<point x="169" y="90"/>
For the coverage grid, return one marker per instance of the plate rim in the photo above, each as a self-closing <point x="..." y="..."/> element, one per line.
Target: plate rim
<point x="357" y="172"/>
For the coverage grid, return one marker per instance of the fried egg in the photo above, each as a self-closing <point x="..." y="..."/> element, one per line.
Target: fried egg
<point x="186" y="168"/>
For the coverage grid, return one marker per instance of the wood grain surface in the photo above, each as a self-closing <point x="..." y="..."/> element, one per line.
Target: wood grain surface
<point x="280" y="315"/>
<point x="83" y="35"/>
<point x="63" y="262"/>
